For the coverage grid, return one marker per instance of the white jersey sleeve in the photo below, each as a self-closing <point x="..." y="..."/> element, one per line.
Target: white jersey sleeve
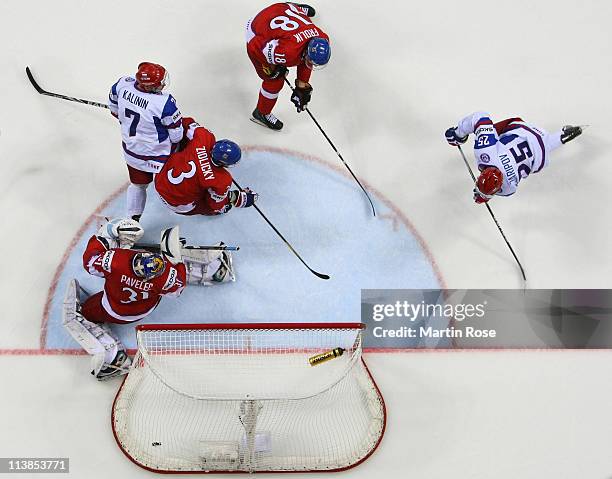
<point x="171" y="119"/>
<point x="113" y="98"/>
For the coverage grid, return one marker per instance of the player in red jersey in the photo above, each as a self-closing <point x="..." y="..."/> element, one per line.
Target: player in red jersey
<point x="282" y="36"/>
<point x="195" y="181"/>
<point x="134" y="283"/>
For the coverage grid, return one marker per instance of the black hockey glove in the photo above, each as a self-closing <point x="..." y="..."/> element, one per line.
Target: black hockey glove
<point x="278" y="71"/>
<point x="568" y="133"/>
<point x="453" y="139"/>
<point x="306" y="9"/>
<point x="301" y="97"/>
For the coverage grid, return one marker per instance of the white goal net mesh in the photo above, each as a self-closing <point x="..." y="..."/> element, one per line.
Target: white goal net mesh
<point x="248" y="399"/>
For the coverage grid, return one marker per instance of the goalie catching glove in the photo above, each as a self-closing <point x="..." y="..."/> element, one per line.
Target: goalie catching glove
<point x="120" y="233"/>
<point x="243" y="199"/>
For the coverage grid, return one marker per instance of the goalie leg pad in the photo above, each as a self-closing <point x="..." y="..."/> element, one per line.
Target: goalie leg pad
<point x="118" y="367"/>
<point x="225" y="271"/>
<point x="97" y="339"/>
<point x="207" y="267"/>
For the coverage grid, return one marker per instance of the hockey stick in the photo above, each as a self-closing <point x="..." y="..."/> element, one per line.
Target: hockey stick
<point x="493" y="216"/>
<point x="156" y="247"/>
<point x="318" y="275"/>
<point x="57" y="95"/>
<point x="337" y="152"/>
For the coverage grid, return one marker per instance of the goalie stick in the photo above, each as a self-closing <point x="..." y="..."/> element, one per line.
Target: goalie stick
<point x="494" y="218"/>
<point x="317" y="274"/>
<point x="57" y="95"/>
<point x="337" y="153"/>
<point x="156" y="247"/>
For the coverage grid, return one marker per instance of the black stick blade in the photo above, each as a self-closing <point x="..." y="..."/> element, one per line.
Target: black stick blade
<point x="319" y="275"/>
<point x="297" y="255"/>
<point x="33" y="82"/>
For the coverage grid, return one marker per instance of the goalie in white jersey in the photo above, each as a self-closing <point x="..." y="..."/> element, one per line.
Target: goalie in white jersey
<point x="506" y="152"/>
<point x="150" y="127"/>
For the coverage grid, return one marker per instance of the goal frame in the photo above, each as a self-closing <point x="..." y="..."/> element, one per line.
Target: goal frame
<point x="269" y="326"/>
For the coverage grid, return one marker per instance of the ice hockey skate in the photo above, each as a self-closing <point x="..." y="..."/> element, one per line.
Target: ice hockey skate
<point x="269" y="120"/>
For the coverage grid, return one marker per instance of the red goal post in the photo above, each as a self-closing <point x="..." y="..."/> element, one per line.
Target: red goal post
<point x="249" y="397"/>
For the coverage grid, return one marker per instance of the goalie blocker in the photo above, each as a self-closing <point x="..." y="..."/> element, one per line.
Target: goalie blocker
<point x="135" y="281"/>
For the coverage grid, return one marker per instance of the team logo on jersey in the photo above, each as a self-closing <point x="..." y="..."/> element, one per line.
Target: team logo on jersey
<point x="485" y="158"/>
<point x="216" y="196"/>
<point x="172" y="276"/>
<point x="484" y="129"/>
<point x="107" y="259"/>
<point x="269" y="50"/>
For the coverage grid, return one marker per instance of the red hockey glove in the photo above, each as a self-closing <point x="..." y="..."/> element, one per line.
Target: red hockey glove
<point x="479" y="198"/>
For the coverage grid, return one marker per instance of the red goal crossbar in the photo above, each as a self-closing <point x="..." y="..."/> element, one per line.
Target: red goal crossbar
<point x="166" y="327"/>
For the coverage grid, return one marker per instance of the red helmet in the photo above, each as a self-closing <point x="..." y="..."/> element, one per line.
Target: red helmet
<point x="490" y="181"/>
<point x="151" y="77"/>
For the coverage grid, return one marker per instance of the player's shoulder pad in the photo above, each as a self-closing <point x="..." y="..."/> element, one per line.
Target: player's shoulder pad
<point x="205" y="136"/>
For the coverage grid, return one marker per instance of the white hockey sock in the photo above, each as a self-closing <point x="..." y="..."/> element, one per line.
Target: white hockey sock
<point x="552" y="141"/>
<point x="136" y="199"/>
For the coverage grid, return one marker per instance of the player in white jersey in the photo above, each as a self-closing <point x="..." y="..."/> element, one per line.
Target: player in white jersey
<point x="506" y="152"/>
<point x="150" y="127"/>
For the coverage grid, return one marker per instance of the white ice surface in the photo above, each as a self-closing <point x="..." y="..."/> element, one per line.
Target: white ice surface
<point x="401" y="73"/>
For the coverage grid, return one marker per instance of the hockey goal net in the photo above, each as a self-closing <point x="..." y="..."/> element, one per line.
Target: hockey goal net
<point x="248" y="398"/>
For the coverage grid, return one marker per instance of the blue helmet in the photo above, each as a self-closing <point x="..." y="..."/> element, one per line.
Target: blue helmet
<point x="226" y="153"/>
<point x="148" y="265"/>
<point x="318" y="52"/>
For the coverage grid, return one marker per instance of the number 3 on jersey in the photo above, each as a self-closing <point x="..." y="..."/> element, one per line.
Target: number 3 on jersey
<point x="175" y="180"/>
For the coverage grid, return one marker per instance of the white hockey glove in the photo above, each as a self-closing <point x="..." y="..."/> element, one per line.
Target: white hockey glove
<point x="120" y="232"/>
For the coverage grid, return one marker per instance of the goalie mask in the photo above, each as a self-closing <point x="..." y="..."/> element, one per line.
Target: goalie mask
<point x="148" y="265"/>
